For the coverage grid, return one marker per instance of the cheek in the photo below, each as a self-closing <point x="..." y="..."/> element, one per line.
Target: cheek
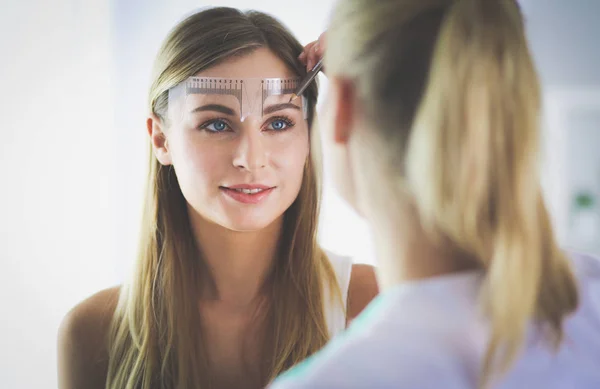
<point x="290" y="159"/>
<point x="341" y="171"/>
<point x="198" y="162"/>
<point x="335" y="157"/>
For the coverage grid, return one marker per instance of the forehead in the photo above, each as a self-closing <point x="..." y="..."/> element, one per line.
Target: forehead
<point x="261" y="63"/>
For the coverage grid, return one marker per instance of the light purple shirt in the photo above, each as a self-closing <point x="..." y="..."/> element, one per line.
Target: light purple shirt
<point x="428" y="334"/>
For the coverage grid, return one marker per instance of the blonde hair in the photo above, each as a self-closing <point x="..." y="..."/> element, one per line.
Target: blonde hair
<point x="455" y="98"/>
<point x="155" y="338"/>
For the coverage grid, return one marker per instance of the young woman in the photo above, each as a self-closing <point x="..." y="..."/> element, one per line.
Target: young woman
<point x="433" y="123"/>
<point x="230" y="287"/>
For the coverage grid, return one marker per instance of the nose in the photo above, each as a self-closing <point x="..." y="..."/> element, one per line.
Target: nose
<point x="251" y="153"/>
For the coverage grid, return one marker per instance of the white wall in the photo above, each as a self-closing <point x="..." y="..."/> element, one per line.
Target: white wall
<point x="57" y="173"/>
<point x="563" y="37"/>
<point x="572" y="141"/>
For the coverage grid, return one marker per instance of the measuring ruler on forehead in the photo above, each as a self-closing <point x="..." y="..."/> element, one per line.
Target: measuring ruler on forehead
<point x="249" y="91"/>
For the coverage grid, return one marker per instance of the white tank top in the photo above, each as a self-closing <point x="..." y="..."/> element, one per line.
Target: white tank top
<point x="335" y="313"/>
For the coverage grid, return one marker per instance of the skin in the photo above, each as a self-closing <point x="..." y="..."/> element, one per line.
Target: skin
<point x="238" y="240"/>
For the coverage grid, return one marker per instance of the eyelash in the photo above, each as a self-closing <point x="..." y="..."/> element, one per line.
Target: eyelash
<point x="204" y="125"/>
<point x="288" y="122"/>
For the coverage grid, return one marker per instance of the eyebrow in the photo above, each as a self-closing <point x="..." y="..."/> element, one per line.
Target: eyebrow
<point x="279" y="107"/>
<point x="228" y="111"/>
<point x="214" y="107"/>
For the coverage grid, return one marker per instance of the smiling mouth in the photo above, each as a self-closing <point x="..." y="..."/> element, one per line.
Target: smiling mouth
<point x="248" y="194"/>
<point x="248" y="191"/>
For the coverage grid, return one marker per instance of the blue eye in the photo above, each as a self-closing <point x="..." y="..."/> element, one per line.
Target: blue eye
<point x="280" y="124"/>
<point x="216" y="126"/>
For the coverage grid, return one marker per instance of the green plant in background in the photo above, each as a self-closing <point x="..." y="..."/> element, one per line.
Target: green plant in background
<point x="584" y="200"/>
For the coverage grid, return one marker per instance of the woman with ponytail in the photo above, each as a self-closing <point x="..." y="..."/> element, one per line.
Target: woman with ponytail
<point x="432" y="121"/>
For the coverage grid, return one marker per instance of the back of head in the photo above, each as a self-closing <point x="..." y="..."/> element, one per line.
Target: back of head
<point x="453" y="95"/>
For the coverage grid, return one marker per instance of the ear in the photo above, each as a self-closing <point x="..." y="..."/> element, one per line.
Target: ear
<point x="158" y="138"/>
<point x="344" y="104"/>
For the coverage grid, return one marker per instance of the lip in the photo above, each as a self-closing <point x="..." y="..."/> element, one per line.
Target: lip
<point x="248" y="186"/>
<point x="247" y="198"/>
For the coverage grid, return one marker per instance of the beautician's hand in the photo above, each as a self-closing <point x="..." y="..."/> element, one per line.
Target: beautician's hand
<point x="313" y="52"/>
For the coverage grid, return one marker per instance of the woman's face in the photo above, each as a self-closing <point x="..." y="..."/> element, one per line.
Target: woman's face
<point x="218" y="158"/>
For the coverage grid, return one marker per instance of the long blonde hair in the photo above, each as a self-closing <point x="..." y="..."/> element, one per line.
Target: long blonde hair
<point x="455" y="97"/>
<point x="156" y="338"/>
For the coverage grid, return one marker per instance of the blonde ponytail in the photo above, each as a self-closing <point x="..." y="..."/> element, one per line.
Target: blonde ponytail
<point x="472" y="159"/>
<point x="453" y="100"/>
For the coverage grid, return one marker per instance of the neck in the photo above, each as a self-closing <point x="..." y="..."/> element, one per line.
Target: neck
<point x="238" y="263"/>
<point x="405" y="252"/>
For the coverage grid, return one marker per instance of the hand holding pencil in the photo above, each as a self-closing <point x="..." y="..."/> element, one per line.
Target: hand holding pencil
<point x="313" y="52"/>
<point x="312" y="57"/>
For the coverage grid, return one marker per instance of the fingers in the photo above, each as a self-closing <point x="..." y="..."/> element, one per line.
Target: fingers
<point x="313" y="52"/>
<point x="304" y="56"/>
<point x="313" y="56"/>
<point x="318" y="51"/>
<point x="323" y="42"/>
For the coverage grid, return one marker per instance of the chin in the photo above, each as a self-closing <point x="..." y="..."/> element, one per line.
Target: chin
<point x="245" y="225"/>
<point x="250" y="218"/>
<point x="248" y="222"/>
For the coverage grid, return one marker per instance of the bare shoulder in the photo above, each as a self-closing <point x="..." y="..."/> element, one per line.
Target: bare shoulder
<point x="363" y="288"/>
<point x="82" y="347"/>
